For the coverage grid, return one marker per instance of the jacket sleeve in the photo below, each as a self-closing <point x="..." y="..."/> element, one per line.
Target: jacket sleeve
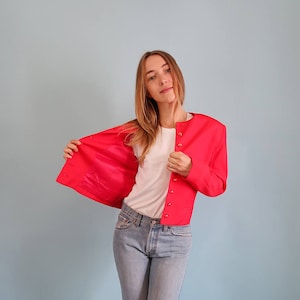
<point x="209" y="177"/>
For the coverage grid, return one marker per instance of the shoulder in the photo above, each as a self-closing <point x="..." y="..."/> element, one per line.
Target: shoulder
<point x="201" y="119"/>
<point x="121" y="129"/>
<point x="111" y="135"/>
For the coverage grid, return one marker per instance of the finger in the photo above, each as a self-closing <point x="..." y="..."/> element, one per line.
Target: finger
<point x="76" y="142"/>
<point x="71" y="148"/>
<point x="73" y="145"/>
<point x="175" y="158"/>
<point x="68" y="153"/>
<point x="171" y="164"/>
<point x="176" y="155"/>
<point x="67" y="156"/>
<point x="170" y="167"/>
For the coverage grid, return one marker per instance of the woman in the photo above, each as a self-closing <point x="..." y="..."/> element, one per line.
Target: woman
<point x="168" y="156"/>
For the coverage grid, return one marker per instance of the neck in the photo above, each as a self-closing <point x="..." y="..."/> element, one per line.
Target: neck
<point x="169" y="116"/>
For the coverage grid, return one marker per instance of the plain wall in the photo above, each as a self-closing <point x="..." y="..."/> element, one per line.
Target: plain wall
<point x="67" y="69"/>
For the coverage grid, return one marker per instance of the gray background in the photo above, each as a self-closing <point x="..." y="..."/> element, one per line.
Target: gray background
<point x="67" y="69"/>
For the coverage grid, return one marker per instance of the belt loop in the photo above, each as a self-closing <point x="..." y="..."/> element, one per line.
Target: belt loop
<point x="165" y="228"/>
<point x="140" y="220"/>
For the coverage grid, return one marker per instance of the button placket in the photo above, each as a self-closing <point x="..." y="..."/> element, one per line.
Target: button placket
<point x="179" y="142"/>
<point x="174" y="179"/>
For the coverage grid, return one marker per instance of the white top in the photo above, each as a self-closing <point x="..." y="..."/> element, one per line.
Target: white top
<point x="152" y="180"/>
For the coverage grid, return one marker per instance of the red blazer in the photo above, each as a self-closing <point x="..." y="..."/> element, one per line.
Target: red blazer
<point x="104" y="168"/>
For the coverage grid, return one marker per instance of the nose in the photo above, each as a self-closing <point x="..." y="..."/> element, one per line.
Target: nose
<point x="163" y="80"/>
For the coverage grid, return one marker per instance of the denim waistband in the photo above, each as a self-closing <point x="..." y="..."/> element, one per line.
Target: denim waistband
<point x="137" y="218"/>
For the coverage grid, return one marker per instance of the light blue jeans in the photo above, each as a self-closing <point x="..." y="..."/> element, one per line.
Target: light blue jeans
<point x="150" y="258"/>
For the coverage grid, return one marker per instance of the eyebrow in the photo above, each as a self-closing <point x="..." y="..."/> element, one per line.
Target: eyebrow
<point x="166" y="64"/>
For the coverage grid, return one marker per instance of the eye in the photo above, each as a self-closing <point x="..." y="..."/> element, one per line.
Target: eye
<point x="151" y="78"/>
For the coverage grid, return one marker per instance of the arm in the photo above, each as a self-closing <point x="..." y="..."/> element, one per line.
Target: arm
<point x="209" y="177"/>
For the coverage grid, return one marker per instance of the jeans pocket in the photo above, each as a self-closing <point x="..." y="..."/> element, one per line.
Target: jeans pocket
<point x="184" y="231"/>
<point x="123" y="222"/>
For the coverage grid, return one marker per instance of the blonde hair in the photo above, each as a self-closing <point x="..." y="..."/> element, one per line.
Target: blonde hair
<point x="146" y="109"/>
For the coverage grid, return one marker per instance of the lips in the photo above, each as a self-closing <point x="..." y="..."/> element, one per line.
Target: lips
<point x="166" y="90"/>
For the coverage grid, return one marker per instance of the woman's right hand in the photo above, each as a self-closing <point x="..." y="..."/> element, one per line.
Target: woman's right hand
<point x="71" y="147"/>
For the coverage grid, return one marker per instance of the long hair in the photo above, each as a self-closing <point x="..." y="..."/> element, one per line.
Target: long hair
<point x="146" y="109"/>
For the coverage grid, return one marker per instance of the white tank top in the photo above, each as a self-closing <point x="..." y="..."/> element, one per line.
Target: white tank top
<point x="152" y="180"/>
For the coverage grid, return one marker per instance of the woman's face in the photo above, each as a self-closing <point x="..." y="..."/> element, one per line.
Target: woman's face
<point x="158" y="80"/>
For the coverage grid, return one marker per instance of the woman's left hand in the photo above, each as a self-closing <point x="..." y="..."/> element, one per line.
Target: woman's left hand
<point x="179" y="163"/>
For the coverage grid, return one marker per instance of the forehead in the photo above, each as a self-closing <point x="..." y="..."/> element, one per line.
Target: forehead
<point x="154" y="62"/>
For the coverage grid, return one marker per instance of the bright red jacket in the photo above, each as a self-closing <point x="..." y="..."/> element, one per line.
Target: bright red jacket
<point x="104" y="168"/>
